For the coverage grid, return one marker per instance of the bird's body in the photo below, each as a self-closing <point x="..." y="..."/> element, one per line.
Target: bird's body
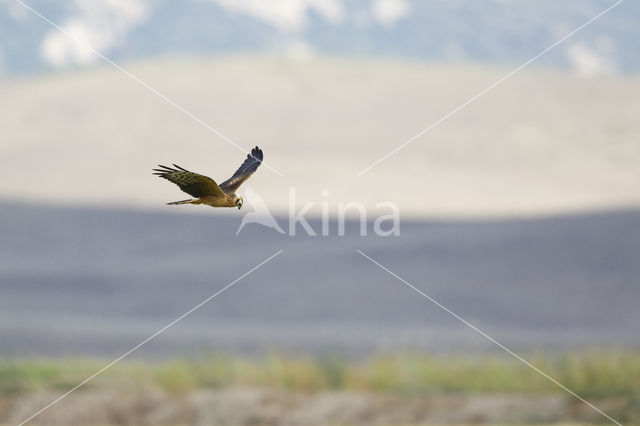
<point x="205" y="190"/>
<point x="210" y="200"/>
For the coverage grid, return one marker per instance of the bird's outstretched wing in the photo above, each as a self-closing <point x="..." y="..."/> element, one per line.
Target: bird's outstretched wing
<point x="192" y="183"/>
<point x="247" y="168"/>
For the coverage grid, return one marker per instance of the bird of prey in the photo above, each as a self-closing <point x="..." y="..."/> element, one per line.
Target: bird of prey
<point x="206" y="190"/>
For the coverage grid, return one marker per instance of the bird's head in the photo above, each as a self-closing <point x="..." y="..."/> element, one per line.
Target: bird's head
<point x="239" y="202"/>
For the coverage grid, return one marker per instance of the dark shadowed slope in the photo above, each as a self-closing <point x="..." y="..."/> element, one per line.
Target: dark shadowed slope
<point x="95" y="282"/>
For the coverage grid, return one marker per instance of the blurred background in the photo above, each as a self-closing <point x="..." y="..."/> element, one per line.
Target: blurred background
<point x="520" y="212"/>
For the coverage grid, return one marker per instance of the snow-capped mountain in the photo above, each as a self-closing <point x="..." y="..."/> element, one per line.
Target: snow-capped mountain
<point x="489" y="31"/>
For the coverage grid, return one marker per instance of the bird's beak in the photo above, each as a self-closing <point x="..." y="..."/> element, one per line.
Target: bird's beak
<point x="239" y="206"/>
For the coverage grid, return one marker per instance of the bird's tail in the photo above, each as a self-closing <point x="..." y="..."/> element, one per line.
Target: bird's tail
<point x="175" y="203"/>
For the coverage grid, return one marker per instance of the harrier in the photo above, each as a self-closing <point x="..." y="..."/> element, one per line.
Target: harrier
<point x="206" y="190"/>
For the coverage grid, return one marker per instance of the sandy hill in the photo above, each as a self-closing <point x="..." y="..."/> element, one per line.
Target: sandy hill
<point x="542" y="142"/>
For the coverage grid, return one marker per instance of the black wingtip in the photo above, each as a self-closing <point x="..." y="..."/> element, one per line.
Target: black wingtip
<point x="165" y="169"/>
<point x="257" y="153"/>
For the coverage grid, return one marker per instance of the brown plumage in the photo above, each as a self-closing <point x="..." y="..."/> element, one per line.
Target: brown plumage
<point x="206" y="190"/>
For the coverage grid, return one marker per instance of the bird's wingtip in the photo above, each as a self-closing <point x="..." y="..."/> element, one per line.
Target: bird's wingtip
<point x="257" y="153"/>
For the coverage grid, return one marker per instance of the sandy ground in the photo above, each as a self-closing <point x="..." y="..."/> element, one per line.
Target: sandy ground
<point x="542" y="142"/>
<point x="95" y="282"/>
<point x="246" y="406"/>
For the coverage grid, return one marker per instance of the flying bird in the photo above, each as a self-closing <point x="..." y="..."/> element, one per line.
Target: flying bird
<point x="205" y="190"/>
